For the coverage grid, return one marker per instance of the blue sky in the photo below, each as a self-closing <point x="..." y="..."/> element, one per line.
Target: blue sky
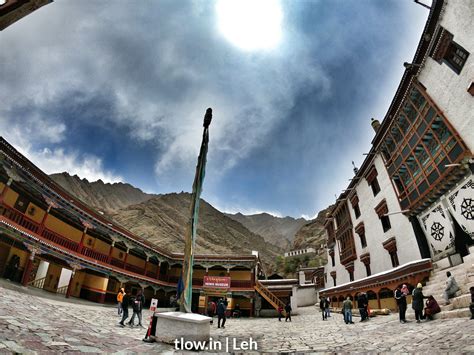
<point x="117" y="90"/>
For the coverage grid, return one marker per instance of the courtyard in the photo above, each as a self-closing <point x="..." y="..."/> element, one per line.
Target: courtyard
<point x="33" y="323"/>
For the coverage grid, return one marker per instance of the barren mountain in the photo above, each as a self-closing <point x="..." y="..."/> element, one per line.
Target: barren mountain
<point x="162" y="219"/>
<point x="104" y="197"/>
<point x="312" y="234"/>
<point x="277" y="231"/>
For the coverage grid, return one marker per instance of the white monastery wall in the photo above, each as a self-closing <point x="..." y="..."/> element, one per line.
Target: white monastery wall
<point x="446" y="88"/>
<point x="401" y="229"/>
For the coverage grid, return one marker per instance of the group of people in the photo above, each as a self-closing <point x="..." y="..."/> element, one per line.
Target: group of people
<point x="287" y="312"/>
<point x="324" y="304"/>
<point x="220" y="309"/>
<point x="136" y="301"/>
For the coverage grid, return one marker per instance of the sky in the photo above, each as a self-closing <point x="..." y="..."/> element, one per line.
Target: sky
<point x="117" y="91"/>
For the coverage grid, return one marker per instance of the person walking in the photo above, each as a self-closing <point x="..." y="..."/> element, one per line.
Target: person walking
<point x="288" y="311"/>
<point x="451" y="288"/>
<point x="323" y="304"/>
<point x="125" y="304"/>
<point x="347" y="309"/>
<point x="417" y="303"/>
<point x="401" y="298"/>
<point x="119" y="300"/>
<point x="280" y="313"/>
<point x="328" y="308"/>
<point x="137" y="306"/>
<point x="221" y="309"/>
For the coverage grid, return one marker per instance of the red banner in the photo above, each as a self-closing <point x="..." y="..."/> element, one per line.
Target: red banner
<point x="216" y="282"/>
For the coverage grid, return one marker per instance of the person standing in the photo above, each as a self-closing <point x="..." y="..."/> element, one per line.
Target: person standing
<point x="221" y="309"/>
<point x="137" y="306"/>
<point x="347" y="309"/>
<point x="362" y="304"/>
<point x="451" y="288"/>
<point x="417" y="303"/>
<point x="401" y="298"/>
<point x="328" y="308"/>
<point x="288" y="311"/>
<point x="323" y="304"/>
<point x="119" y="300"/>
<point x="125" y="304"/>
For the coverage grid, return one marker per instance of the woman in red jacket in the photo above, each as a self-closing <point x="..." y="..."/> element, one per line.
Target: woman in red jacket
<point x="432" y="307"/>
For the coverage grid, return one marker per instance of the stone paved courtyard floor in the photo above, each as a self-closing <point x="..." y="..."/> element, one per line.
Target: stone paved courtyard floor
<point x="29" y="324"/>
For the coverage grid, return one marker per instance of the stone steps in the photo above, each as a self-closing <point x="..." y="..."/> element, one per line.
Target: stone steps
<point x="459" y="305"/>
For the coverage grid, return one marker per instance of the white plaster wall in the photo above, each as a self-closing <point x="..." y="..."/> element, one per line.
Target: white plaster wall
<point x="64" y="278"/>
<point x="407" y="247"/>
<point x="42" y="270"/>
<point x="306" y="296"/>
<point x="446" y="88"/>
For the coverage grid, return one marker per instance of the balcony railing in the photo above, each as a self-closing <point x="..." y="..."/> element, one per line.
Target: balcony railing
<point x="94" y="255"/>
<point x="20" y="219"/>
<point x="60" y="240"/>
<point x="134" y="268"/>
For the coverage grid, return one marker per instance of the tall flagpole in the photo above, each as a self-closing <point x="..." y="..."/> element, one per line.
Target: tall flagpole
<point x="191" y="228"/>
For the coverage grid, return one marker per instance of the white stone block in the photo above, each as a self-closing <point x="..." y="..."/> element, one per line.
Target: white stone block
<point x="171" y="326"/>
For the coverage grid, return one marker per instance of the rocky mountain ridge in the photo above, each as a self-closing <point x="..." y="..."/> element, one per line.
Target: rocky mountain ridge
<point x="276" y="230"/>
<point x="162" y="219"/>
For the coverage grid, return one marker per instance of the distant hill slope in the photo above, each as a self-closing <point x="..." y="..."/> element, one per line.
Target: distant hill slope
<point x="104" y="197"/>
<point x="277" y="231"/>
<point x="162" y="219"/>
<point x="312" y="234"/>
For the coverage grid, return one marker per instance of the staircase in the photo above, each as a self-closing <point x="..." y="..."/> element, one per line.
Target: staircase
<point x="459" y="305"/>
<point x="269" y="296"/>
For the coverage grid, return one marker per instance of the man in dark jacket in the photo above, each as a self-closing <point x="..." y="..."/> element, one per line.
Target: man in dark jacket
<point x="221" y="308"/>
<point x="362" y="304"/>
<point x="288" y="311"/>
<point x="125" y="304"/>
<point x="137" y="306"/>
<point x="402" y="304"/>
<point x="417" y="302"/>
<point x="324" y="305"/>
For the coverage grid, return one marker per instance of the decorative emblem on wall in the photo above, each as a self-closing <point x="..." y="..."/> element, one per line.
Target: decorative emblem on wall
<point x="437" y="231"/>
<point x="467" y="208"/>
<point x="461" y="206"/>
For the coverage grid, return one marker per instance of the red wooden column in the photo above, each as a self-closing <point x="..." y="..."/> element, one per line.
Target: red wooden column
<point x="29" y="265"/>
<point x="146" y="264"/>
<point x="71" y="281"/>
<point x="158" y="270"/>
<point x="109" y="257"/>
<point x="125" y="259"/>
<point x="81" y="243"/>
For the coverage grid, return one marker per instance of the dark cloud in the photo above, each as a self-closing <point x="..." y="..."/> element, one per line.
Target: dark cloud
<point x="287" y="122"/>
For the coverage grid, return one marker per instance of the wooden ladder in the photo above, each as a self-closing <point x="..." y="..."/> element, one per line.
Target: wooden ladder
<point x="269" y="296"/>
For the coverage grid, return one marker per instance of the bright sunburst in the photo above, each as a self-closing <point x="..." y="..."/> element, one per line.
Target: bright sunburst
<point x="250" y="24"/>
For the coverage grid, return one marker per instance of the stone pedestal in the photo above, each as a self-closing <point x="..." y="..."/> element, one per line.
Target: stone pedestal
<point x="176" y="325"/>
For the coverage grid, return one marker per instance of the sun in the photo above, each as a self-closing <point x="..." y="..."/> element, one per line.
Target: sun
<point x="250" y="24"/>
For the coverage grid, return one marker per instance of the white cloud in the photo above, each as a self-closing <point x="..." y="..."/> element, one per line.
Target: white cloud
<point x="85" y="166"/>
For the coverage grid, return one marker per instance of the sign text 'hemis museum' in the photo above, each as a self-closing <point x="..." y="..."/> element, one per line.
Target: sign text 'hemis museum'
<point x="217" y="281"/>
